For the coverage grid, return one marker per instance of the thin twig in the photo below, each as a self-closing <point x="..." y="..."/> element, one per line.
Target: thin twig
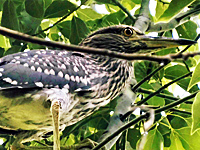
<point x="135" y="87"/>
<point x="160" y="59"/>
<point x="162" y="88"/>
<point x="124" y="9"/>
<point x="142" y="90"/>
<point x="63" y="18"/>
<point x="138" y="119"/>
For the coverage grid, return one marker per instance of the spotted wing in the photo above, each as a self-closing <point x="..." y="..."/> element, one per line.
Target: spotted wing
<point x="45" y="68"/>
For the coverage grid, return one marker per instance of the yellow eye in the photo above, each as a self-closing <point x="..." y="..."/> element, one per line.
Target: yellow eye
<point x="128" y="32"/>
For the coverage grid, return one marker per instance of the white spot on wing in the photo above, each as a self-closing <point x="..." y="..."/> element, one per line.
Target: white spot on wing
<point x="52" y="72"/>
<point x="25" y="65"/>
<point x="63" y="66"/>
<point x="37" y="63"/>
<point x="39" y="84"/>
<point x="14" y="82"/>
<point x="67" y="77"/>
<point x="60" y="74"/>
<point x="1" y="69"/>
<point x="46" y="71"/>
<point x="39" y="69"/>
<point x="77" y="79"/>
<point x="0" y="74"/>
<point x="66" y="86"/>
<point x="76" y="69"/>
<point x="33" y="68"/>
<point x="17" y="57"/>
<point x="72" y="78"/>
<point x="24" y="54"/>
<point x="17" y="62"/>
<point x="7" y="80"/>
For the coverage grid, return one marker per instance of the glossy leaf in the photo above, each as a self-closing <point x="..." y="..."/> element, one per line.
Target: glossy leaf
<point x="195" y="114"/>
<point x="58" y="9"/>
<point x="154" y="140"/>
<point x="9" y="16"/>
<point x="35" y="8"/>
<point x="189" y="141"/>
<point x="174" y="8"/>
<point x="175" y="142"/>
<point x="195" y="77"/>
<point x="78" y="30"/>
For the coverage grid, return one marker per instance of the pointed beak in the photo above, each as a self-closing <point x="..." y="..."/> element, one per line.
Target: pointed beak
<point x="151" y="44"/>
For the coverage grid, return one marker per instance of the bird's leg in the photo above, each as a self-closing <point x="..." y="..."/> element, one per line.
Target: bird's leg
<point x="55" y="109"/>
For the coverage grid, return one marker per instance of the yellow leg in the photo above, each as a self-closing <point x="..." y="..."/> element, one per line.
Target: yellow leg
<point x="55" y="109"/>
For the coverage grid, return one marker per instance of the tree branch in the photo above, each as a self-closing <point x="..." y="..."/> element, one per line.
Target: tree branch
<point x="135" y="87"/>
<point x="138" y="119"/>
<point x="162" y="88"/>
<point x="142" y="22"/>
<point x="124" y="9"/>
<point x="160" y="59"/>
<point x="63" y="18"/>
<point x="142" y="90"/>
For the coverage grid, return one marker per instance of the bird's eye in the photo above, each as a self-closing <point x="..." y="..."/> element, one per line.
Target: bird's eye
<point x="128" y="32"/>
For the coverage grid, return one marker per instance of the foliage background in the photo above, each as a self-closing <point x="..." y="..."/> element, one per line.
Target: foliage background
<point x="177" y="129"/>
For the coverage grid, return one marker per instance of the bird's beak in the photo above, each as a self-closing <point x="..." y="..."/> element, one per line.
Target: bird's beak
<point x="153" y="43"/>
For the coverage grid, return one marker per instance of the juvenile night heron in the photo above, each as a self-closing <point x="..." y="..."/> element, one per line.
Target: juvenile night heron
<point x="38" y="84"/>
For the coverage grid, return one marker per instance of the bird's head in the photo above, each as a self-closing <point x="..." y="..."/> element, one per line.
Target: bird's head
<point x="127" y="39"/>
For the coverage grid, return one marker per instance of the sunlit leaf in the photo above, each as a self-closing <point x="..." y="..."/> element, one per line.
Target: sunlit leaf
<point x="174" y="8"/>
<point x="195" y="77"/>
<point x="175" y="142"/>
<point x="154" y="140"/>
<point x="195" y="114"/>
<point x="189" y="141"/>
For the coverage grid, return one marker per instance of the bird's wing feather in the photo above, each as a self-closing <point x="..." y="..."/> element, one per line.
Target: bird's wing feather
<point x="44" y="68"/>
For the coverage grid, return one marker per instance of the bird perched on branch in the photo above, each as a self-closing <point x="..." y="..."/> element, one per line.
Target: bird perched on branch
<point x="40" y="85"/>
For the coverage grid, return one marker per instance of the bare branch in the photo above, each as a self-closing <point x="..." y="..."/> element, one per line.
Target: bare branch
<point x="162" y="88"/>
<point x="83" y="49"/>
<point x="142" y="22"/>
<point x="63" y="18"/>
<point x="124" y="9"/>
<point x="138" y="119"/>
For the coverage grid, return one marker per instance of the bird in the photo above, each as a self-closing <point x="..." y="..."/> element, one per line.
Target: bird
<point x="39" y="86"/>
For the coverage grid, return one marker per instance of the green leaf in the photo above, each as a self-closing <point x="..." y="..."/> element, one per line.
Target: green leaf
<point x="4" y="42"/>
<point x="88" y="14"/>
<point x="154" y="140"/>
<point x="173" y="72"/>
<point x="114" y="18"/>
<point x="174" y="8"/>
<point x="187" y="30"/>
<point x="156" y="101"/>
<point x="35" y="8"/>
<point x="190" y="142"/>
<point x="175" y="142"/>
<point x="28" y="24"/>
<point x="58" y="9"/>
<point x="160" y="9"/>
<point x="195" y="77"/>
<point x="9" y="16"/>
<point x="195" y="114"/>
<point x="79" y="30"/>
<point x="133" y="136"/>
<point x="64" y="28"/>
